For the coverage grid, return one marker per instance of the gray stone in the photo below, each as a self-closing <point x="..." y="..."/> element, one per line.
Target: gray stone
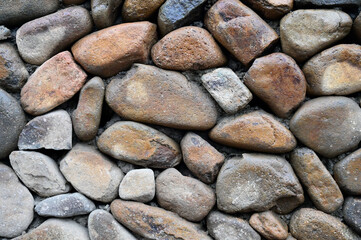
<point x="39" y="173"/>
<point x="352" y="213"/>
<point x="326" y="3"/>
<point x="5" y="33"/>
<point x="50" y="131"/>
<point x="104" y="12"/>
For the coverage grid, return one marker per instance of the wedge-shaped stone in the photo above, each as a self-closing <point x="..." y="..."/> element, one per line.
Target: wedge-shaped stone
<point x="272" y="9"/>
<point x="139" y="10"/>
<point x="104" y="12"/>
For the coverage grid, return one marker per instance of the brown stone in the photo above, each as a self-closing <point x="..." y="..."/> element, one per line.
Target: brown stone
<point x="277" y="80"/>
<point x="357" y="27"/>
<point x="155" y="223"/>
<point x="272" y="9"/>
<point x="188" y="48"/>
<point x="114" y="49"/>
<point x="255" y="131"/>
<point x="53" y="83"/>
<point x="239" y="29"/>
<point x="269" y="225"/>
<point x="139" y="10"/>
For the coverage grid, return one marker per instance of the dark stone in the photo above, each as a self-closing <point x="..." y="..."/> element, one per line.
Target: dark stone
<point x="352" y="213"/>
<point x="326" y="3"/>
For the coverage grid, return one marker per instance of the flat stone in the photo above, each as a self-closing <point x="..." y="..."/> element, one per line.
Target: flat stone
<point x="152" y="95"/>
<point x="91" y="173"/>
<point x="328" y="3"/>
<point x="135" y="10"/>
<point x="272" y="9"/>
<point x="240" y="30"/>
<point x="12" y="122"/>
<point x="155" y="223"/>
<point x="328" y="125"/>
<point x="227" y="89"/>
<point x="138" y="185"/>
<point x="357" y="27"/>
<point x="16" y="208"/>
<point x="174" y="14"/>
<point x="258" y="182"/>
<point x="114" y="49"/>
<point x="347" y="173"/>
<point x="53" y="83"/>
<point x="278" y="81"/>
<point x="269" y="225"/>
<point x="50" y="131"/>
<point x="306" y="32"/>
<point x="39" y="173"/>
<point x="222" y="226"/>
<point x="104" y="12"/>
<point x="352" y="213"/>
<point x="308" y="224"/>
<point x="102" y="225"/>
<point x="188" y="48"/>
<point x="255" y="131"/>
<point x="42" y="38"/>
<point x="201" y="158"/>
<point x="335" y="71"/>
<point x="139" y="144"/>
<point x="5" y="33"/>
<point x="186" y="196"/>
<point x="13" y="73"/>
<point x="321" y="187"/>
<point x="86" y="117"/>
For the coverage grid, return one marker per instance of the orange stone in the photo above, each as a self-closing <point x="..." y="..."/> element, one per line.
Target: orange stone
<point x="272" y="9"/>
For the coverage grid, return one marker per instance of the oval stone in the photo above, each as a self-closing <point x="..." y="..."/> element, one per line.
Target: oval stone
<point x="139" y="10"/>
<point x="269" y="225"/>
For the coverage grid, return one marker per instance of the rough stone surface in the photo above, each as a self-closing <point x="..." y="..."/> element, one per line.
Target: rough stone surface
<point x="114" y="49"/>
<point x="328" y="125"/>
<point x="53" y="83"/>
<point x="328" y="3"/>
<point x="240" y="30"/>
<point x="152" y="95"/>
<point x="5" y="33"/>
<point x="352" y="213"/>
<point x="269" y="225"/>
<point x="272" y="9"/>
<point x="39" y="173"/>
<point x="138" y="185"/>
<point x="139" y="10"/>
<point x="104" y="12"/>
<point x="306" y="32"/>
<point x="255" y="131"/>
<point x="357" y="27"/>
<point x="188" y="48"/>
<point x="50" y="131"/>
<point x="258" y="182"/>
<point x="139" y="144"/>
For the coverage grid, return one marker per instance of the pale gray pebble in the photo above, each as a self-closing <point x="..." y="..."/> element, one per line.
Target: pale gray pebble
<point x="5" y="33"/>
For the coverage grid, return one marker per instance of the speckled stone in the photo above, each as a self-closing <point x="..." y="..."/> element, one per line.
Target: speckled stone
<point x="352" y="213"/>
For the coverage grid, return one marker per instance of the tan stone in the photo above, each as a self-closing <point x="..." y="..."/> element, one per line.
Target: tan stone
<point x="139" y="10"/>
<point x="272" y="9"/>
<point x="269" y="225"/>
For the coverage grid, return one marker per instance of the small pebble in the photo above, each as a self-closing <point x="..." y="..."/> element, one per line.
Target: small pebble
<point x="139" y="10"/>
<point x="269" y="225"/>
<point x="5" y="33"/>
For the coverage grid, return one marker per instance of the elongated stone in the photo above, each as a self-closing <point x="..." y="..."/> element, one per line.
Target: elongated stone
<point x="272" y="9"/>
<point x="269" y="225"/>
<point x="328" y="3"/>
<point x="104" y="12"/>
<point x="140" y="10"/>
<point x="357" y="27"/>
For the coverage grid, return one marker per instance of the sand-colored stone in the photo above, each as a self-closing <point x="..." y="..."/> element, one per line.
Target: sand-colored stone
<point x="139" y="10"/>
<point x="272" y="9"/>
<point x="269" y="225"/>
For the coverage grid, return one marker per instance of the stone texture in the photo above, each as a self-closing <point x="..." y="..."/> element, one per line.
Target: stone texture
<point x="39" y="173"/>
<point x="255" y="131"/>
<point x="352" y="213"/>
<point x="53" y="83"/>
<point x="269" y="225"/>
<point x="241" y="31"/>
<point x="306" y="32"/>
<point x="290" y="237"/>
<point x="91" y="173"/>
<point x="139" y="10"/>
<point x="227" y="89"/>
<point x="335" y="71"/>
<point x="308" y="224"/>
<point x="104" y="12"/>
<point x="272" y="9"/>
<point x="258" y="182"/>
<point x="155" y="223"/>
<point x="72" y="2"/>
<point x="152" y="95"/>
<point x="50" y="131"/>
<point x="328" y="3"/>
<point x="16" y="208"/>
<point x="5" y="33"/>
<point x="114" y="49"/>
<point x="201" y="158"/>
<point x="139" y="144"/>
<point x="321" y="187"/>
<point x="42" y="38"/>
<point x="328" y="125"/>
<point x="86" y="117"/>
<point x="138" y="185"/>
<point x="357" y="27"/>
<point x="222" y="227"/>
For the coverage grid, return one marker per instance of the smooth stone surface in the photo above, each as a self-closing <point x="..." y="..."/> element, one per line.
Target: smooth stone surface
<point x="86" y="117"/>
<point x="269" y="225"/>
<point x="186" y="196"/>
<point x="306" y="32"/>
<point x="50" y="131"/>
<point x="255" y="131"/>
<point x="152" y="95"/>
<point x="42" y="38"/>
<point x="335" y="71"/>
<point x="39" y="173"/>
<point x="321" y="187"/>
<point x="188" y="48"/>
<point x="222" y="226"/>
<point x="357" y="27"/>
<point x="258" y="182"/>
<point x="139" y="144"/>
<point x="139" y="10"/>
<point x="104" y="12"/>
<point x="138" y="185"/>
<point x="155" y="223"/>
<point x="328" y="125"/>
<point x="227" y="89"/>
<point x="352" y="213"/>
<point x="308" y="224"/>
<point x="201" y="158"/>
<point x="53" y="83"/>
<point x="12" y="122"/>
<point x="328" y="3"/>
<point x="5" y="33"/>
<point x="240" y="30"/>
<point x="114" y="49"/>
<point x="72" y="2"/>
<point x="91" y="173"/>
<point x="272" y="9"/>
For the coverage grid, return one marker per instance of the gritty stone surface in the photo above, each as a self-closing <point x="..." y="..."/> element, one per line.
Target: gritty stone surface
<point x="139" y="10"/>
<point x="272" y="9"/>
<point x="269" y="225"/>
<point x="5" y="33"/>
<point x="352" y="213"/>
<point x="138" y="185"/>
<point x="104" y="12"/>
